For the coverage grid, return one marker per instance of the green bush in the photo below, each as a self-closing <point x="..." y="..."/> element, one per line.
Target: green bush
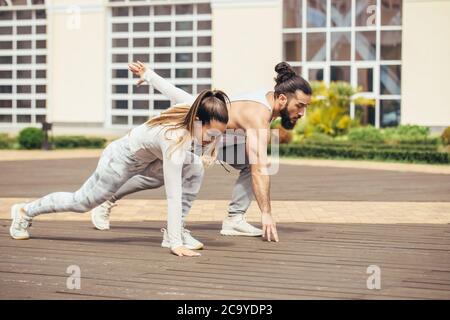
<point x="304" y="150"/>
<point x="71" y="142"/>
<point x="6" y="142"/>
<point x="31" y="138"/>
<point x="319" y="138"/>
<point x="365" y="134"/>
<point x="409" y="131"/>
<point x="446" y="136"/>
<point x="406" y="134"/>
<point x="401" y="135"/>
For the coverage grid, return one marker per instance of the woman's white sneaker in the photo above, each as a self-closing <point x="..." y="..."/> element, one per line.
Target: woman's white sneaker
<point x="188" y="240"/>
<point x="100" y="215"/>
<point x="236" y="225"/>
<point x="20" y="223"/>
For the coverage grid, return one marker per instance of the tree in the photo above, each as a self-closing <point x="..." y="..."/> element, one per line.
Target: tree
<point x="329" y="111"/>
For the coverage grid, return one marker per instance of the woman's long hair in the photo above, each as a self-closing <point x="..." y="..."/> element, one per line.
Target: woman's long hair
<point x="209" y="105"/>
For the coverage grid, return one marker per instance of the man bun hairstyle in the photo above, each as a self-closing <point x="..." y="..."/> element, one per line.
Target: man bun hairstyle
<point x="288" y="81"/>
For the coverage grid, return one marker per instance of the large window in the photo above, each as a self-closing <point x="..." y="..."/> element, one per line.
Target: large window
<point x="358" y="41"/>
<point x="23" y="62"/>
<point x="173" y="38"/>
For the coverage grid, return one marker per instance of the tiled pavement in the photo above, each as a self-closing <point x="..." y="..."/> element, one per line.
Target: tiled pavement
<point x="283" y="211"/>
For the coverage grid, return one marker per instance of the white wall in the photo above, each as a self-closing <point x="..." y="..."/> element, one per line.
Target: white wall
<point x="426" y="62"/>
<point x="247" y="43"/>
<point x="76" y="62"/>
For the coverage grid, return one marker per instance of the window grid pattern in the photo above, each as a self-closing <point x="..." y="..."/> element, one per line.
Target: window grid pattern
<point x="173" y="38"/>
<point x="23" y="62"/>
<point x="358" y="41"/>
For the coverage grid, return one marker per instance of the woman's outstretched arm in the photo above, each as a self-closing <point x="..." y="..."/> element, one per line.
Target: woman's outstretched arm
<point x="159" y="83"/>
<point x="173" y="161"/>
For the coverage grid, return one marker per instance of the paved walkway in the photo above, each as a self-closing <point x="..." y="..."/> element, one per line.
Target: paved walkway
<point x="35" y="178"/>
<point x="14" y="155"/>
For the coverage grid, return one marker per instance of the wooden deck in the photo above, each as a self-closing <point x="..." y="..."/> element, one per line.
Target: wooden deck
<point x="312" y="261"/>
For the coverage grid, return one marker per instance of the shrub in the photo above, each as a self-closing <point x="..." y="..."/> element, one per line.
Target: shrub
<point x="446" y="136"/>
<point x="312" y="151"/>
<point x="365" y="134"/>
<point x="406" y="133"/>
<point x="6" y="142"/>
<point x="31" y="138"/>
<point x="410" y="131"/>
<point x="328" y="112"/>
<point x="319" y="138"/>
<point x="70" y="142"/>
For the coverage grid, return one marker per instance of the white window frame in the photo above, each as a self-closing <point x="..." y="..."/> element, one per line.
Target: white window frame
<point x="14" y="52"/>
<point x="173" y="49"/>
<point x="353" y="63"/>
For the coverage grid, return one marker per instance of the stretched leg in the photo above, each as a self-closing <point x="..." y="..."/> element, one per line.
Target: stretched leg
<point x="242" y="195"/>
<point x="151" y="178"/>
<point x="113" y="170"/>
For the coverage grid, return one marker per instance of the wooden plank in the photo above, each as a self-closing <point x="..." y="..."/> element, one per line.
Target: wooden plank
<point x="314" y="261"/>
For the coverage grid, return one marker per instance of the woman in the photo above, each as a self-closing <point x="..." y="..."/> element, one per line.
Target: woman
<point x="167" y="139"/>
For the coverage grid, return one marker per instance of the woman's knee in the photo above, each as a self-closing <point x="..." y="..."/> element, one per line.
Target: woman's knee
<point x="196" y="170"/>
<point x="83" y="204"/>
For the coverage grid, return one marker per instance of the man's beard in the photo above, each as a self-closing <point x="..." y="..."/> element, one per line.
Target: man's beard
<point x="285" y="120"/>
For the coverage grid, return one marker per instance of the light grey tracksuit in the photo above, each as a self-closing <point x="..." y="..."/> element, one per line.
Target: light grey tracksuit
<point x="144" y="154"/>
<point x="242" y="194"/>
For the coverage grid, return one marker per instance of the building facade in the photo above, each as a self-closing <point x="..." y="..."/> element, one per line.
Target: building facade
<point x="65" y="61"/>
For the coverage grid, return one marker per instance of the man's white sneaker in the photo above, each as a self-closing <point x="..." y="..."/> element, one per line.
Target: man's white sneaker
<point x="20" y="223"/>
<point x="100" y="215"/>
<point x="238" y="226"/>
<point x="188" y="240"/>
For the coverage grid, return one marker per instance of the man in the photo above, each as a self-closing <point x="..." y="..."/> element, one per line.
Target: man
<point x="249" y="113"/>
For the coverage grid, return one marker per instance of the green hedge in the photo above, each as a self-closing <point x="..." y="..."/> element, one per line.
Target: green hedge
<point x="378" y="146"/>
<point x="403" y="134"/>
<point x="71" y="142"/>
<point x="305" y="150"/>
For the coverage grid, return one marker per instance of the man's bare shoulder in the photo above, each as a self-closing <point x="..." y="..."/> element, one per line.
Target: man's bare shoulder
<point x="251" y="114"/>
